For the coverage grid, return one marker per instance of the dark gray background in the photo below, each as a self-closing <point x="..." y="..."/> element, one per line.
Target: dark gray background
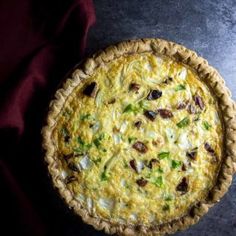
<point x="209" y="28"/>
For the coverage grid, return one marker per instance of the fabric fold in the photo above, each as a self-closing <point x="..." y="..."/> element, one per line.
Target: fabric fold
<point x="40" y="41"/>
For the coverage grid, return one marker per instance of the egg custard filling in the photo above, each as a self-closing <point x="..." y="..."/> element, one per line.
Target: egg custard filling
<point x="140" y="141"/>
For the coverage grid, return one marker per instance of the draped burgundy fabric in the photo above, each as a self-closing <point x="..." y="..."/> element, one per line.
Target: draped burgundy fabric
<point x="39" y="42"/>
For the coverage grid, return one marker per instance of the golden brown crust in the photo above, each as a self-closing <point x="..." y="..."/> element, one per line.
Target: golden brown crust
<point x="206" y="73"/>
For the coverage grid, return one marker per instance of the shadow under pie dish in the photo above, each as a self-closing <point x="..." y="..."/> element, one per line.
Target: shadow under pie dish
<point x="141" y="138"/>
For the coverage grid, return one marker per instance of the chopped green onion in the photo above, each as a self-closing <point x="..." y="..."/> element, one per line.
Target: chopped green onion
<point x="80" y="141"/>
<point x="163" y="155"/>
<point x="131" y="139"/>
<point x="148" y="176"/>
<point x="183" y="123"/>
<point x="87" y="146"/>
<point x="168" y="198"/>
<point x="85" y="117"/>
<point x="158" y="181"/>
<point x="160" y="170"/>
<point x="101" y="136"/>
<point x="180" y="87"/>
<point x="129" y="108"/>
<point x="97" y="141"/>
<point x="125" y="164"/>
<point x="206" y="125"/>
<point x="104" y="176"/>
<point x="83" y="147"/>
<point x="135" y="108"/>
<point x="166" y="207"/>
<point x="78" y="150"/>
<point x="98" y="160"/>
<point x="175" y="164"/>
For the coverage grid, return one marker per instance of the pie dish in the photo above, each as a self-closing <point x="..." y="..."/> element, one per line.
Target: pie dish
<point x="140" y="139"/>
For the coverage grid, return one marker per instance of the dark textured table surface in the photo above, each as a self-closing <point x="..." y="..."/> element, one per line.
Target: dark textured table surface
<point x="209" y="28"/>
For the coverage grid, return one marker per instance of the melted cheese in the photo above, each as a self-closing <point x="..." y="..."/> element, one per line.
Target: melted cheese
<point x="101" y="136"/>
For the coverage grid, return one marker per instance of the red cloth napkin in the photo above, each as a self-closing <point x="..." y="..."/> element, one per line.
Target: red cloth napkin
<point x="39" y="41"/>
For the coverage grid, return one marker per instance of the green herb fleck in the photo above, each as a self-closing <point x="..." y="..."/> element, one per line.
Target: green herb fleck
<point x="125" y="184"/>
<point x="104" y="176"/>
<point x="136" y="108"/>
<point x="125" y="164"/>
<point x="183" y="123"/>
<point x="131" y="108"/>
<point x="85" y="117"/>
<point x="131" y="139"/>
<point x="83" y="147"/>
<point x="175" y="164"/>
<point x="180" y="87"/>
<point x="206" y="125"/>
<point x="78" y="150"/>
<point x="97" y="141"/>
<point x="166" y="207"/>
<point x="98" y="160"/>
<point x="160" y="170"/>
<point x="88" y="145"/>
<point x="158" y="181"/>
<point x="80" y="141"/>
<point x="148" y="176"/>
<point x="163" y="155"/>
<point x="168" y="198"/>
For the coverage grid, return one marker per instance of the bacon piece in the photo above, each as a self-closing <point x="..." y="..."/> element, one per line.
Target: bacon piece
<point x="165" y="113"/>
<point x="191" y="109"/>
<point x="138" y="124"/>
<point x="154" y="94"/>
<point x="91" y="90"/>
<point x="140" y="147"/>
<point x="68" y="156"/>
<point x="168" y="80"/>
<point x="192" y="154"/>
<point x="141" y="182"/>
<point x="211" y="151"/>
<point x="182" y="105"/>
<point x="73" y="167"/>
<point x="183" y="168"/>
<point x="133" y="165"/>
<point x="151" y="115"/>
<point x="198" y="101"/>
<point x="182" y="186"/>
<point x="151" y="162"/>
<point x="70" y="179"/>
<point x="134" y="87"/>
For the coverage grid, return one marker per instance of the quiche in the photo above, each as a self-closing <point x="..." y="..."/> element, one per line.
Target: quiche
<point x="140" y="140"/>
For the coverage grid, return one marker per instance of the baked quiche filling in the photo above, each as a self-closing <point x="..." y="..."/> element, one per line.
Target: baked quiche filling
<point x="140" y="141"/>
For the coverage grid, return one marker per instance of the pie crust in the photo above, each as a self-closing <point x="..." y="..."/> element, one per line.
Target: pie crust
<point x="206" y="73"/>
